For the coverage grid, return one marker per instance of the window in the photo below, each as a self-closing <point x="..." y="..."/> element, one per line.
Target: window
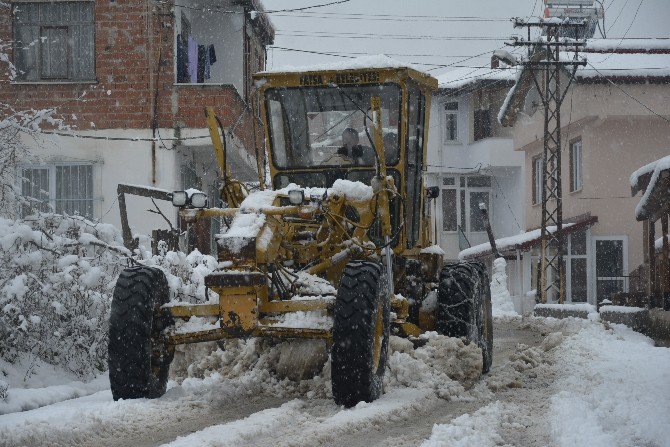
<point x="460" y="204"/>
<point x="576" y="165"/>
<point x="537" y="180"/>
<point x="451" y="123"/>
<point x="54" y="41"/>
<point x="62" y="189"/>
<point x="482" y="125"/>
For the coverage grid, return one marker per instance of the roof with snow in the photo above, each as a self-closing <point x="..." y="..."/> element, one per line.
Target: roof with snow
<point x="654" y="180"/>
<point x="608" y="60"/>
<point x="462" y="77"/>
<point x="525" y="241"/>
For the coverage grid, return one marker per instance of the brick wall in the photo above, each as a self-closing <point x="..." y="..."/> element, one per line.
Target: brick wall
<point x="129" y="35"/>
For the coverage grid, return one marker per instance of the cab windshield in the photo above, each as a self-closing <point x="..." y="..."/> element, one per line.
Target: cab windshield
<point x="326" y="126"/>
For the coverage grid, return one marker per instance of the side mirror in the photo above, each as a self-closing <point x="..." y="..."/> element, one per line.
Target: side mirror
<point x="179" y="198"/>
<point x="433" y="192"/>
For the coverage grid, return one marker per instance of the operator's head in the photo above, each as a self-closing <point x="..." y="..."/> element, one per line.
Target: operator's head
<point x="349" y="137"/>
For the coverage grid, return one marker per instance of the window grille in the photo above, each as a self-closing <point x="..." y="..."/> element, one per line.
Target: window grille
<point x="63" y="189"/>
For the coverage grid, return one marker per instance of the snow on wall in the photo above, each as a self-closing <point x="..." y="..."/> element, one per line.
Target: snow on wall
<point x="658" y="166"/>
<point x="501" y="300"/>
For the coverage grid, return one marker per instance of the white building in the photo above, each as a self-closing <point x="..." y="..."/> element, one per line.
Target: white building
<point x="472" y="159"/>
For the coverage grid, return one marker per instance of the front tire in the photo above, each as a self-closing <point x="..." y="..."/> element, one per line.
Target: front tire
<point x="139" y="359"/>
<point x="360" y="334"/>
<point x="464" y="306"/>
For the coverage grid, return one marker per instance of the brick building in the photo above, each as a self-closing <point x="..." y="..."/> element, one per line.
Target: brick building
<point x="121" y="74"/>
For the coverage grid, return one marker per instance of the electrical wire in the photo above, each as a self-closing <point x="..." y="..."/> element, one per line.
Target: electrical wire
<point x="628" y="94"/>
<point x="330" y="35"/>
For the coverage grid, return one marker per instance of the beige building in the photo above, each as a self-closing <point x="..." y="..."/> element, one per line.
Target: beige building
<point x="615" y="118"/>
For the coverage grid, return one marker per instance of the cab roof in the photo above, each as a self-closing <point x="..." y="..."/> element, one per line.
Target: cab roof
<point x="360" y="65"/>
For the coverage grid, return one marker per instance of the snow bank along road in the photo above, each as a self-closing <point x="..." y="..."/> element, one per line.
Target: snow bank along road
<point x="554" y="382"/>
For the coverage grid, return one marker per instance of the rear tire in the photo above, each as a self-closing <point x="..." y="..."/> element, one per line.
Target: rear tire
<point x="464" y="306"/>
<point x="139" y="359"/>
<point x="360" y="334"/>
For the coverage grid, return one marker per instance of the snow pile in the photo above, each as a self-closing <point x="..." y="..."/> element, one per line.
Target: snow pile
<point x="355" y="191"/>
<point x="478" y="429"/>
<point x="445" y="366"/>
<point x="433" y="250"/>
<point x="501" y="300"/>
<point x="616" y="390"/>
<point x="523" y="359"/>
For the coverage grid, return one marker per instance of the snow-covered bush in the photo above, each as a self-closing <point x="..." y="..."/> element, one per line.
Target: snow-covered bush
<point x="56" y="282"/>
<point x="185" y="274"/>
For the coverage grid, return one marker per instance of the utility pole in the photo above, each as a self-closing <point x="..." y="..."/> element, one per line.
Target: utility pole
<point x="544" y="62"/>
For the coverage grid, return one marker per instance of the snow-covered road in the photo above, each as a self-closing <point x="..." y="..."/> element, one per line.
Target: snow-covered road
<point x="554" y="382"/>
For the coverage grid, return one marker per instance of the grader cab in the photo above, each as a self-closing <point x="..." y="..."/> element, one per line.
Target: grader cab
<point x="339" y="248"/>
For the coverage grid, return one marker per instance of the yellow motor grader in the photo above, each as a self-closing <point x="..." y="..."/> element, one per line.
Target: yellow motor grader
<point x="339" y="248"/>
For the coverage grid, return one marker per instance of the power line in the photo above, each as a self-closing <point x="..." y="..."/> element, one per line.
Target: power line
<point x="225" y="11"/>
<point x="359" y="53"/>
<point x="308" y="7"/>
<point x="384" y="36"/>
<point x="354" y="57"/>
<point x="324" y="16"/>
<point x="617" y="17"/>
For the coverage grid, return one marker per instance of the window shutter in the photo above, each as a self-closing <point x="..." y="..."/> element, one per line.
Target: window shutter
<point x="54" y="52"/>
<point x="534" y="186"/>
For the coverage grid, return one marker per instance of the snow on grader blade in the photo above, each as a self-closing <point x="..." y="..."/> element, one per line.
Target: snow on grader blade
<point x="339" y="249"/>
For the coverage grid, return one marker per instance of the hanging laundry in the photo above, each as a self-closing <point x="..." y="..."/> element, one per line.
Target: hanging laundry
<point x="182" y="60"/>
<point x="208" y="66"/>
<point x="212" y="53"/>
<point x="192" y="60"/>
<point x="201" y="64"/>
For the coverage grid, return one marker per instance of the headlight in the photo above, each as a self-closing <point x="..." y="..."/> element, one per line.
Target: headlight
<point x="179" y="198"/>
<point x="198" y="200"/>
<point x="296" y="196"/>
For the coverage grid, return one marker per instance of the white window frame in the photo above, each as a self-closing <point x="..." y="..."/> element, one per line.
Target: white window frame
<point x="537" y="168"/>
<point x="568" y="268"/>
<point x="459" y="211"/>
<point x="576" y="160"/>
<point x="453" y="113"/>
<point x="52" y="169"/>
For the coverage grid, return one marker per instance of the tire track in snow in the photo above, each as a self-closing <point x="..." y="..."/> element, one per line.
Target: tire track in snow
<point x="97" y="420"/>
<point x="309" y="423"/>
